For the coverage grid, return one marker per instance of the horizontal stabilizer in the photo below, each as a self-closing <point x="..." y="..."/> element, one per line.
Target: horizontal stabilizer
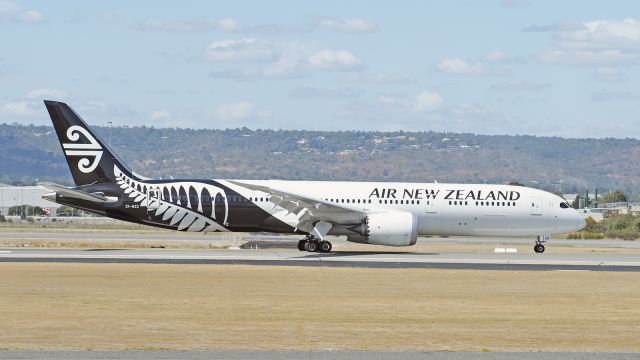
<point x="71" y="193"/>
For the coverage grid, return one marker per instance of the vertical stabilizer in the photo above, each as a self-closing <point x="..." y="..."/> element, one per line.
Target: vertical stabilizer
<point x="89" y="158"/>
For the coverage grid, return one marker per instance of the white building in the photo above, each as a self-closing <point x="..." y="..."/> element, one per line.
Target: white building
<point x="24" y="195"/>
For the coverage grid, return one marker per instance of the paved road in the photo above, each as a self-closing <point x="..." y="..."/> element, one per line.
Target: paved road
<point x="115" y="235"/>
<point x="288" y="257"/>
<point x="324" y="355"/>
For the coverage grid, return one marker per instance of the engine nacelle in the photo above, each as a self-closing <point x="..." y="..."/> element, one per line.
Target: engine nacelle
<point x="393" y="228"/>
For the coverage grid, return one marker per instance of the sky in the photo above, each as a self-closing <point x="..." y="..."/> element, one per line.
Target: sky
<point x="546" y="68"/>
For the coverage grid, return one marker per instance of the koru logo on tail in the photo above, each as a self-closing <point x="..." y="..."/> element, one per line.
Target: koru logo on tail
<point x="93" y="150"/>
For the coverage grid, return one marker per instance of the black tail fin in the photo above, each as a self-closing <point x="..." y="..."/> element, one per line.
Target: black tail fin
<point x="90" y="159"/>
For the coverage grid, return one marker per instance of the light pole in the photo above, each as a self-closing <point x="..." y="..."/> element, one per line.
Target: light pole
<point x="110" y="130"/>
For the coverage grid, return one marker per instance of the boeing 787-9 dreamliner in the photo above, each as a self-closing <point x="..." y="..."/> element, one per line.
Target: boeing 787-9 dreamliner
<point x="380" y="213"/>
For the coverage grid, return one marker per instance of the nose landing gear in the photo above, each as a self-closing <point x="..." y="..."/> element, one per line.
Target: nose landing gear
<point x="539" y="247"/>
<point x="311" y="244"/>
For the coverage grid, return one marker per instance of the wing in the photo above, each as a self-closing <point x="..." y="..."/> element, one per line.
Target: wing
<point x="309" y="211"/>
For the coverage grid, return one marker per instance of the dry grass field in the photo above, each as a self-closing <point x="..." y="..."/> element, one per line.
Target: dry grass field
<point x="109" y="306"/>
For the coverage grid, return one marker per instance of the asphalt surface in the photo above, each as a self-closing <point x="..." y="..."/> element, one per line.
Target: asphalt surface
<point x="224" y="238"/>
<point x="289" y="257"/>
<point x="322" y="355"/>
<point x="142" y="236"/>
<point x="280" y="250"/>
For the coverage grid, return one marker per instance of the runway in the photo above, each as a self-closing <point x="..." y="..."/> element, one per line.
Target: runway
<point x="289" y="257"/>
<point x="308" y="355"/>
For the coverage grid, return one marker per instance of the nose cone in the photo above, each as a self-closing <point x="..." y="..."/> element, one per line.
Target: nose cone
<point x="579" y="220"/>
<point x="582" y="223"/>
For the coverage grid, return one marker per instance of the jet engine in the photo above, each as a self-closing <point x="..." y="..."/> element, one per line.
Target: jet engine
<point x="393" y="228"/>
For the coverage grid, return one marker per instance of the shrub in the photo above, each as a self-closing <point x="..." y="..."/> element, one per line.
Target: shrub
<point x="592" y="235"/>
<point x="619" y="222"/>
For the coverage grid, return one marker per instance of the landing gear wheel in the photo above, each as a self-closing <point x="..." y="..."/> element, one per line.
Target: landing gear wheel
<point x="312" y="246"/>
<point x="538" y="248"/>
<point x="325" y="246"/>
<point x="301" y="244"/>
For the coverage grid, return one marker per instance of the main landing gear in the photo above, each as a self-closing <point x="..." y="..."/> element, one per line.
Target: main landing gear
<point x="311" y="244"/>
<point x="539" y="247"/>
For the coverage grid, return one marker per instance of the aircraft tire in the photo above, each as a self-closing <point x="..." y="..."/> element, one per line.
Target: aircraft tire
<point x="325" y="246"/>
<point x="538" y="248"/>
<point x="312" y="246"/>
<point x="301" y="244"/>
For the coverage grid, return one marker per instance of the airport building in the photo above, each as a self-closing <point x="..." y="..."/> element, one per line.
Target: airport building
<point x="24" y="195"/>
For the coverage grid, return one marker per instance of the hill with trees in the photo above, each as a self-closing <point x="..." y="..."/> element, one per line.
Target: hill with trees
<point x="32" y="152"/>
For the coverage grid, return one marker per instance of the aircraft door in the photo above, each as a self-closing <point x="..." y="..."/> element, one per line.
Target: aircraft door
<point x="432" y="206"/>
<point x="153" y="198"/>
<point x="536" y="205"/>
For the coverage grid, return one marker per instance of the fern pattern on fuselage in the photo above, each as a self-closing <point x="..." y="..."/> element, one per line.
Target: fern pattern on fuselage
<point x="187" y="206"/>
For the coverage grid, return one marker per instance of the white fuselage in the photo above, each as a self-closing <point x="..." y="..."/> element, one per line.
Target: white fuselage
<point x="441" y="209"/>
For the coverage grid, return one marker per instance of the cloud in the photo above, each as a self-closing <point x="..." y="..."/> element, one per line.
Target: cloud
<point x="340" y="60"/>
<point x="228" y="24"/>
<point x="243" y="50"/>
<point x="520" y="86"/>
<point x="347" y="24"/>
<point x="160" y="115"/>
<point x="290" y="64"/>
<point x="120" y="113"/>
<point x="428" y="101"/>
<point x="8" y="7"/>
<point x="164" y="118"/>
<point x="46" y="94"/>
<point x="457" y="66"/>
<point x="31" y="105"/>
<point x="495" y="56"/>
<point x="20" y="109"/>
<point x="32" y="16"/>
<point x="309" y="92"/>
<point x="10" y="12"/>
<point x="424" y="101"/>
<point x="596" y="43"/>
<point x="560" y="26"/>
<point x="238" y="111"/>
<point x="192" y="25"/>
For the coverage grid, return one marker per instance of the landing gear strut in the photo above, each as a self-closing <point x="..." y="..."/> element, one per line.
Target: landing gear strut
<point x="311" y="244"/>
<point x="539" y="247"/>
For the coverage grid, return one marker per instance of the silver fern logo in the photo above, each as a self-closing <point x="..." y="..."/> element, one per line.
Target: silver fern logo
<point x="186" y="213"/>
<point x="91" y="153"/>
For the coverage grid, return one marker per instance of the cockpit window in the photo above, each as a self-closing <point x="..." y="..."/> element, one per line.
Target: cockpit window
<point x="564" y="205"/>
